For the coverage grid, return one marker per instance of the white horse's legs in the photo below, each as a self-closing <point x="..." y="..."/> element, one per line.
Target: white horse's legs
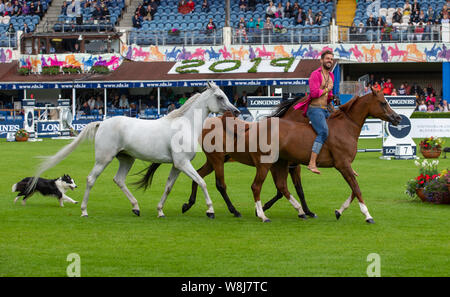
<point x="192" y="173"/>
<point x="126" y="162"/>
<point x="92" y="177"/>
<point x="174" y="173"/>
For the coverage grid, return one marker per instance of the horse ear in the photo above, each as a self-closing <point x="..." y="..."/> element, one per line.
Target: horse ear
<point x="374" y="91"/>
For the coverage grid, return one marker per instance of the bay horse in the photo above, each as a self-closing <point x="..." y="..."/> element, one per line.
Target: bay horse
<point x="215" y="159"/>
<point x="339" y="150"/>
<point x="171" y="139"/>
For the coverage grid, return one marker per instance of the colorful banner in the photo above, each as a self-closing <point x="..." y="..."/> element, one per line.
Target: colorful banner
<point x="84" y="61"/>
<point x="362" y="53"/>
<point x="6" y="55"/>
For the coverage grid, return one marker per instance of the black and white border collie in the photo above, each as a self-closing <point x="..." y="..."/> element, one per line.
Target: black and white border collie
<point x="47" y="187"/>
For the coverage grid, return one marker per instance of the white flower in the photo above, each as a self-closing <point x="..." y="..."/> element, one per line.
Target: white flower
<point x="417" y="163"/>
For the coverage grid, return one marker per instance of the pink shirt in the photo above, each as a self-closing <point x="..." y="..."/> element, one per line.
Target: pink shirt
<point x="315" y="81"/>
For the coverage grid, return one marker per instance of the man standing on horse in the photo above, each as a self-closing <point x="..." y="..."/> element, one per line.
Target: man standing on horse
<point x="318" y="105"/>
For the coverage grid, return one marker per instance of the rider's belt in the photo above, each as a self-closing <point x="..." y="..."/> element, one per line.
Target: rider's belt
<point x="318" y="106"/>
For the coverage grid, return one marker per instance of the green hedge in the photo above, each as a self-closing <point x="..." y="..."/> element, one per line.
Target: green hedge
<point x="429" y="115"/>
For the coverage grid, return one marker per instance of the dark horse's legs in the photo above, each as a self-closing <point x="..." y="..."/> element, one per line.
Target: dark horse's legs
<point x="206" y="169"/>
<point x="297" y="181"/>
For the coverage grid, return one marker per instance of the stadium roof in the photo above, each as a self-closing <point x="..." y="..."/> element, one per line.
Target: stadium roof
<point x="132" y="74"/>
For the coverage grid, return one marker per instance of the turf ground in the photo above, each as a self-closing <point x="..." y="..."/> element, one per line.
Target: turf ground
<point x="411" y="237"/>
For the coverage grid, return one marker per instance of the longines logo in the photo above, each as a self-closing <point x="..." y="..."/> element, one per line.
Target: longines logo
<point x="401" y="130"/>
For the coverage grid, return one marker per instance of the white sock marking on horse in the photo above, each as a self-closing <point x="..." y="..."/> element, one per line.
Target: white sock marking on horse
<point x="346" y="204"/>
<point x="365" y="211"/>
<point x="260" y="211"/>
<point x="296" y="205"/>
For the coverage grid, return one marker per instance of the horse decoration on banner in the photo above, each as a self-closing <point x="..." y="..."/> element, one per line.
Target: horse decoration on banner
<point x="225" y="53"/>
<point x="184" y="54"/>
<point x="154" y="50"/>
<point x="384" y="54"/>
<point x="88" y="63"/>
<point x="432" y="53"/>
<point x="370" y="54"/>
<point x="128" y="139"/>
<point x="138" y="53"/>
<point x="172" y="54"/>
<point x="343" y="53"/>
<point x="198" y="54"/>
<point x="299" y="52"/>
<point x="311" y="53"/>
<point x="279" y="51"/>
<point x="54" y="61"/>
<point x="263" y="53"/>
<point x="357" y="53"/>
<point x="251" y="53"/>
<point x="213" y="55"/>
<point x="239" y="54"/>
<point x="444" y="53"/>
<point x="396" y="52"/>
<point x="413" y="50"/>
<point x="5" y="55"/>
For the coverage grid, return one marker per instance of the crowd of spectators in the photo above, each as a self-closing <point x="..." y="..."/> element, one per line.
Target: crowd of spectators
<point x="412" y="22"/>
<point x="145" y="12"/>
<point x="426" y="98"/>
<point x="18" y="8"/>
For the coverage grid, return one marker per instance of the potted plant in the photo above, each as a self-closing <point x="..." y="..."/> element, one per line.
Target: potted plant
<point x="279" y="29"/>
<point x="431" y="147"/>
<point x="437" y="191"/>
<point x="21" y="135"/>
<point x="427" y="172"/>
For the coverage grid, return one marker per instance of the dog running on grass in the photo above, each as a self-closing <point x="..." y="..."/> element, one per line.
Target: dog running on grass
<point x="47" y="187"/>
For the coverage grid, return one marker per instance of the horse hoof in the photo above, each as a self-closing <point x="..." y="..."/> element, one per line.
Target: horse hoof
<point x="185" y="208"/>
<point x="302" y="216"/>
<point x="267" y="221"/>
<point x="210" y="215"/>
<point x="311" y="215"/>
<point x="237" y="214"/>
<point x="338" y="214"/>
<point x="136" y="212"/>
<point x="370" y="221"/>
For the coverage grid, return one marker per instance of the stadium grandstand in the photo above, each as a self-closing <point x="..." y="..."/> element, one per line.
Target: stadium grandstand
<point x="142" y="43"/>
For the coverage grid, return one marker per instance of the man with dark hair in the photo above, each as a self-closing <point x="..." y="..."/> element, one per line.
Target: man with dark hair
<point x="318" y="105"/>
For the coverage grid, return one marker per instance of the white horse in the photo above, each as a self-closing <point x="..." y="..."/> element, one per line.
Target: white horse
<point x="171" y="139"/>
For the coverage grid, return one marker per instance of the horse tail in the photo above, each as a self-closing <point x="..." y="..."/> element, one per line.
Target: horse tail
<point x="50" y="161"/>
<point x="146" y="180"/>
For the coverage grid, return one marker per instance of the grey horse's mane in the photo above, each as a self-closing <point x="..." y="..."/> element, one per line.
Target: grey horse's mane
<point x="185" y="107"/>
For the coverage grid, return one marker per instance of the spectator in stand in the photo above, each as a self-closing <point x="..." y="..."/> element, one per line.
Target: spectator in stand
<point x="154" y="6"/>
<point x="371" y="22"/>
<point x="241" y="33"/>
<point x="394" y="92"/>
<point x="105" y="13"/>
<point x="301" y="17"/>
<point x="422" y="106"/>
<point x="416" y="89"/>
<point x="115" y="101"/>
<point x="415" y="9"/>
<point x="210" y="27"/>
<point x="445" y="105"/>
<point x="205" y="6"/>
<point x="360" y="32"/>
<point x="171" y="108"/>
<point x="407" y="88"/>
<point x="183" y="99"/>
<point x="387" y="87"/>
<point x="397" y="17"/>
<point x="430" y="106"/>
<point x="421" y="17"/>
<point x="386" y="32"/>
<point x="310" y="17"/>
<point x="432" y="98"/>
<point x="271" y="10"/>
<point x="268" y="26"/>
<point x="280" y="11"/>
<point x="410" y="31"/>
<point x="445" y="19"/>
<point x="140" y="11"/>
<point x="85" y="109"/>
<point x="428" y="31"/>
<point x="444" y="11"/>
<point x="123" y="102"/>
<point x="2" y="8"/>
<point x="63" y="8"/>
<point x="241" y="21"/>
<point x="99" y="104"/>
<point x="353" y="32"/>
<point x="376" y="86"/>
<point x="430" y="14"/>
<point x="251" y="25"/>
<point x="418" y="32"/>
<point x="91" y="103"/>
<point x="148" y="13"/>
<point x="25" y="9"/>
<point x="39" y="9"/>
<point x="318" y="20"/>
<point x="402" y="90"/>
<point x="407" y="8"/>
<point x="295" y="8"/>
<point x="191" y="5"/>
<point x="260" y="24"/>
<point x="11" y="31"/>
<point x="26" y="29"/>
<point x="8" y="9"/>
<point x="97" y="14"/>
<point x="257" y="33"/>
<point x="288" y="10"/>
<point x="137" y="21"/>
<point x="243" y="5"/>
<point x="17" y="9"/>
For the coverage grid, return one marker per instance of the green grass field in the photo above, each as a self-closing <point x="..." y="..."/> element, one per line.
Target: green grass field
<point x="411" y="237"/>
